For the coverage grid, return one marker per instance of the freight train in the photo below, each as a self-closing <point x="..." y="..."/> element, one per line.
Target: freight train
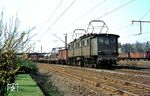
<point x="91" y="49"/>
<point x="134" y="56"/>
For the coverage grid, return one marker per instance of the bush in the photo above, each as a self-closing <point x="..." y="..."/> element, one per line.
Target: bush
<point x="27" y="67"/>
<point x="45" y="84"/>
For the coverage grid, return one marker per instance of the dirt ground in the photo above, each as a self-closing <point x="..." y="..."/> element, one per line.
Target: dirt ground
<point x="75" y="88"/>
<point x="69" y="87"/>
<point x="135" y="63"/>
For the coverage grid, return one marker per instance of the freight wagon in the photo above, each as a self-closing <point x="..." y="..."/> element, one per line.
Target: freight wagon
<point x="63" y="56"/>
<point x="135" y="56"/>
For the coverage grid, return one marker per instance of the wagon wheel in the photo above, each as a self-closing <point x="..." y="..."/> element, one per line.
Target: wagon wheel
<point x="98" y="64"/>
<point x="81" y="63"/>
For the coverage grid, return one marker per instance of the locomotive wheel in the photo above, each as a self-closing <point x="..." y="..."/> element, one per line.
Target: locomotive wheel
<point x="81" y="63"/>
<point x="97" y="65"/>
<point x="100" y="65"/>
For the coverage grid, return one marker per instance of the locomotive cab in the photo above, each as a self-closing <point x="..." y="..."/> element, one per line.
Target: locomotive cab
<point x="105" y="48"/>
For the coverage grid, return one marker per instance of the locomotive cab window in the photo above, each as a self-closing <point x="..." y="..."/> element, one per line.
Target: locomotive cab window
<point x="112" y="40"/>
<point x="107" y="40"/>
<point x="100" y="40"/>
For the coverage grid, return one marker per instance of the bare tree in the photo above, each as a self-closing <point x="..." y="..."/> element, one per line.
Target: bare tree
<point x="12" y="42"/>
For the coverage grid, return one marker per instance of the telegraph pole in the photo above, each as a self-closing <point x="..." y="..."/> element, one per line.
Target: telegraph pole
<point x="66" y="41"/>
<point x="41" y="48"/>
<point x="62" y="40"/>
<point x="139" y="21"/>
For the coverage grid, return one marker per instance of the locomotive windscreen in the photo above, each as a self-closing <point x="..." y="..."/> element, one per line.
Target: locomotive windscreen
<point x="107" y="40"/>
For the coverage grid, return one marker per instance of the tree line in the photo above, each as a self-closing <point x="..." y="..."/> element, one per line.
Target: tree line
<point x="135" y="47"/>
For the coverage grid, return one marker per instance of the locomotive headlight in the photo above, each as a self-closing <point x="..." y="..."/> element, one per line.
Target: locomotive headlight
<point x="101" y="53"/>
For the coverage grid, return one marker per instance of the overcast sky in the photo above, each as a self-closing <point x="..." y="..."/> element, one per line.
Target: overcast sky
<point x="64" y="16"/>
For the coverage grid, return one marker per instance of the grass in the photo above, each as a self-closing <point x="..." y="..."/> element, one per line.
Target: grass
<point x="26" y="87"/>
<point x="46" y="85"/>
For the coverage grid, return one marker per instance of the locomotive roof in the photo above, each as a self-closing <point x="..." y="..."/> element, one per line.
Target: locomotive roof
<point x="92" y="35"/>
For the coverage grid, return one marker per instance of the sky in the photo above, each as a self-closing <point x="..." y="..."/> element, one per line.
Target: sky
<point x="53" y="19"/>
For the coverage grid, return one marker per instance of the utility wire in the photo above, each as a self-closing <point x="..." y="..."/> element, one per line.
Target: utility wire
<point x="124" y="27"/>
<point x="145" y="14"/>
<point x="128" y="36"/>
<point x="50" y="16"/>
<point x="89" y="11"/>
<point x="60" y="16"/>
<point x="112" y="11"/>
<point x="130" y="25"/>
<point x="116" y="9"/>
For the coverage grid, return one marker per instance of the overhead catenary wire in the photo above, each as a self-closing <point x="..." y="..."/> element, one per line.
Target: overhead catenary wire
<point x="145" y="14"/>
<point x="111" y="11"/>
<point x="133" y="35"/>
<point x="117" y="8"/>
<point x="145" y="38"/>
<point x="89" y="11"/>
<point x="142" y="33"/>
<point x="136" y="39"/>
<point x="130" y="25"/>
<point x="141" y="23"/>
<point x="52" y="14"/>
<point x="86" y="13"/>
<point x="49" y="28"/>
<point x="58" y="18"/>
<point x="124" y="27"/>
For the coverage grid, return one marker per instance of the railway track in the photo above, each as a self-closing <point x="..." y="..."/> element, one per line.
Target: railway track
<point x="136" y="76"/>
<point x="133" y="76"/>
<point x="134" y="72"/>
<point x="124" y="80"/>
<point x="104" y="81"/>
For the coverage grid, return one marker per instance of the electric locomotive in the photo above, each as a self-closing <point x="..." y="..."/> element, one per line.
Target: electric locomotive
<point x="97" y="50"/>
<point x="94" y="49"/>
